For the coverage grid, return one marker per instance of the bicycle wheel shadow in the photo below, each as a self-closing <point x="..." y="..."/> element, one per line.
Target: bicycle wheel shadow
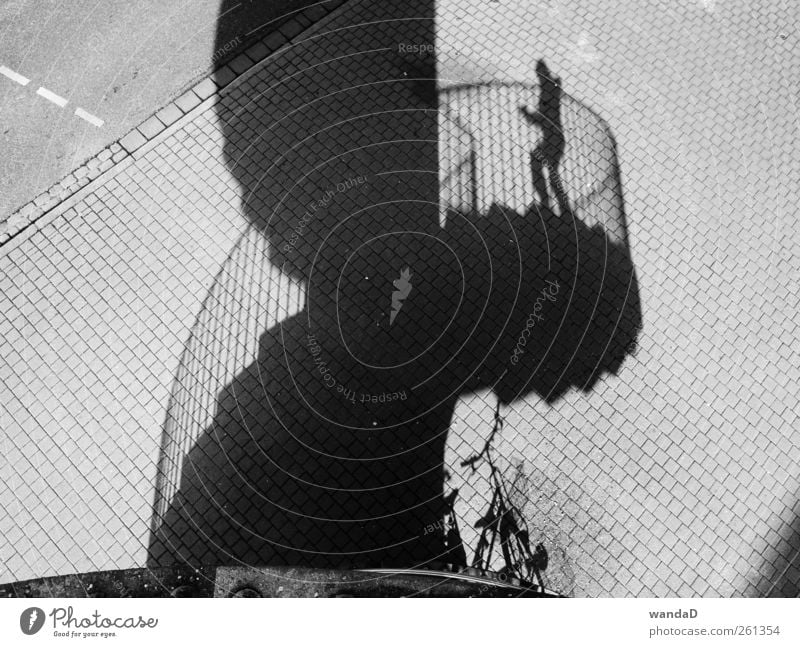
<point x="392" y="274"/>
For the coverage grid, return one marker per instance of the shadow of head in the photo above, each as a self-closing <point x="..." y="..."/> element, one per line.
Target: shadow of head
<point x="318" y="149"/>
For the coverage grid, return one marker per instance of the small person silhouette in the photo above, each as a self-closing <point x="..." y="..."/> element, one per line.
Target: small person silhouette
<point x="548" y="153"/>
<point x="403" y="285"/>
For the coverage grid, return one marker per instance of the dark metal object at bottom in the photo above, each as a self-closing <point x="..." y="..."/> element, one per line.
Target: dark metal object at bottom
<point x="267" y="582"/>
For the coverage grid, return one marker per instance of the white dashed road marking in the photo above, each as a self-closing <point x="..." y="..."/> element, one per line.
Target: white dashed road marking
<point x="11" y="74"/>
<point x="88" y="117"/>
<point x="51" y="96"/>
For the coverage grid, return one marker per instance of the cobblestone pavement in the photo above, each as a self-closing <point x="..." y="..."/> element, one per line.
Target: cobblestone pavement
<point x="131" y="317"/>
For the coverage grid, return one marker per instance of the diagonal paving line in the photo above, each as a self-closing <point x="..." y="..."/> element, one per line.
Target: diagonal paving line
<point x="95" y="121"/>
<point x="11" y="74"/>
<point x="52" y="96"/>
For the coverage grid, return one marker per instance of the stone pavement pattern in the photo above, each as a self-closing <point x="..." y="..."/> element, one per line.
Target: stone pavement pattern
<point x="676" y="476"/>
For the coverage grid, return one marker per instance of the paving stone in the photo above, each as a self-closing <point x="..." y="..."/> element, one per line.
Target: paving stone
<point x="151" y="127"/>
<point x="275" y="41"/>
<point x="291" y="28"/>
<point x="132" y="141"/>
<point x="315" y="13"/>
<point x="676" y="476"/>
<point x="240" y="64"/>
<point x="169" y="115"/>
<point x="257" y="52"/>
<point x="205" y="89"/>
<point x="224" y="75"/>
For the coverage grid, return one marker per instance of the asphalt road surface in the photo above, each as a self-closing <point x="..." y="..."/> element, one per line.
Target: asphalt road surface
<point x="115" y="61"/>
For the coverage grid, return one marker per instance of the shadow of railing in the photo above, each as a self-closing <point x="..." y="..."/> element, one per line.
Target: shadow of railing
<point x="585" y="238"/>
<point x="781" y="562"/>
<point x="321" y="441"/>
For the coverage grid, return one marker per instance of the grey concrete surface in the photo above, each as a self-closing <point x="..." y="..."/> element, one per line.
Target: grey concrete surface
<point x="118" y="60"/>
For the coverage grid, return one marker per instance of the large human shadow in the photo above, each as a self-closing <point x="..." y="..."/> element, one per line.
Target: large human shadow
<point x="392" y="277"/>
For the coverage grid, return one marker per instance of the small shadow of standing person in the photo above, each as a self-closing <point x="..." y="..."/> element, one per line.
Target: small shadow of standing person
<point x="550" y="149"/>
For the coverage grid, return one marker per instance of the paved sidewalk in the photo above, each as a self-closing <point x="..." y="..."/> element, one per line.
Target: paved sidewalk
<point x="676" y="474"/>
